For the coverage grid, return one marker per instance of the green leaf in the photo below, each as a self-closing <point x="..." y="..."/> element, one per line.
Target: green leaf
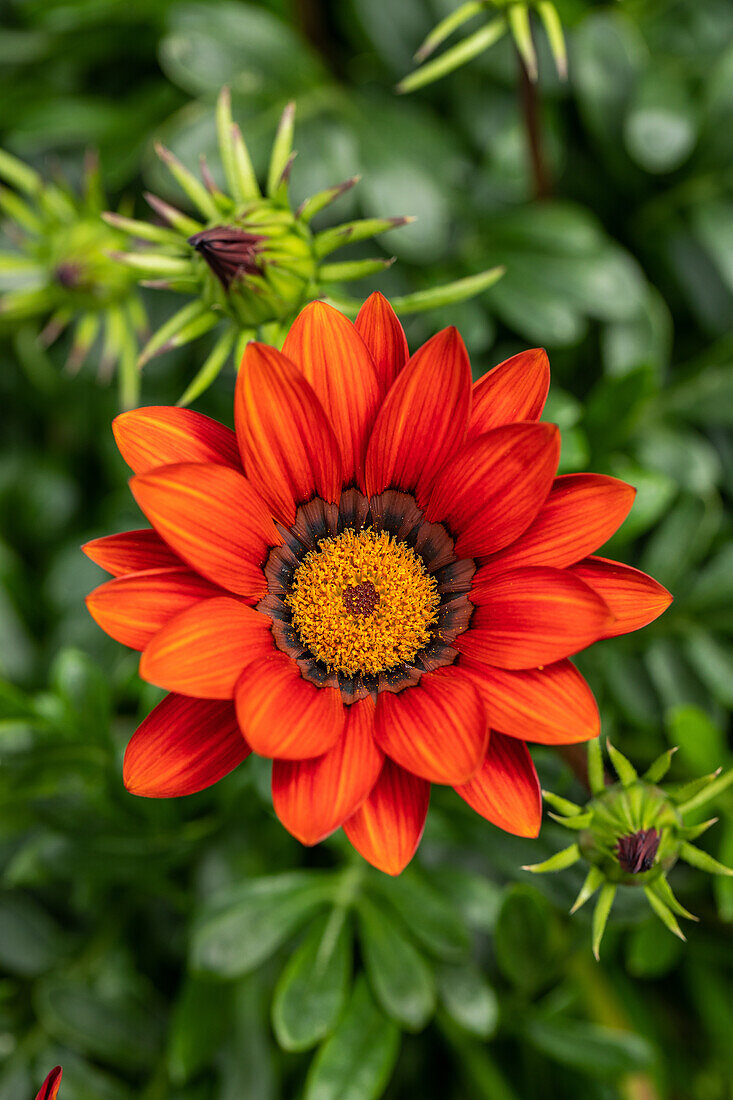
<point x="315" y="203"/>
<point x="527" y="940"/>
<point x="445" y="28"/>
<point x="457" y="55"/>
<point x="596" y="774"/>
<point x="701" y="741"/>
<point x="85" y="691"/>
<point x="243" y="925"/>
<point x="201" y="1016"/>
<point x="712" y="659"/>
<point x="593" y="880"/>
<point x="356" y="1062"/>
<point x="563" y="805"/>
<point x="590" y="1048"/>
<point x="681" y="539"/>
<point x="600" y="915"/>
<point x="458" y="291"/>
<point x="649" y="955"/>
<point x="245" y="46"/>
<point x="708" y="793"/>
<point x="664" y="913"/>
<point x="469" y="999"/>
<point x="347" y="270"/>
<point x="352" y="232"/>
<point x="476" y="898"/>
<point x="684" y="456"/>
<point x="116" y="1030"/>
<point x="660" y="130"/>
<point x="663" y="891"/>
<point x="432" y="919"/>
<point x="18" y="174"/>
<point x="553" y="29"/>
<point x="144" y="231"/>
<point x="623" y="767"/>
<point x="312" y="989"/>
<point x="402" y="980"/>
<point x="281" y="149"/>
<point x="577" y="821"/>
<point x="247" y="1065"/>
<point x="192" y="311"/>
<point x="654" y="494"/>
<point x="704" y="862"/>
<point x="706" y="398"/>
<point x="189" y="183"/>
<point x="713" y="585"/>
<point x="522" y="33"/>
<point x="31" y="942"/>
<point x="211" y="367"/>
<point x="562" y="859"/>
<point x="659" y="768"/>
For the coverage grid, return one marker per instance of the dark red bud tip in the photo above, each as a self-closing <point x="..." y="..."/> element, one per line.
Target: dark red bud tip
<point x="69" y="274"/>
<point x="636" y="853"/>
<point x="230" y="252"/>
<point x="50" y="1087"/>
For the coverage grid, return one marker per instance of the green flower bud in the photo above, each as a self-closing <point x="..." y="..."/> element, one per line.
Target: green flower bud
<point x="632" y="833"/>
<point x="251" y="261"/>
<point x="59" y="271"/>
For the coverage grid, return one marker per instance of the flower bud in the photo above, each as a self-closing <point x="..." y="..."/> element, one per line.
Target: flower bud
<point x="61" y="274"/>
<point x="230" y="252"/>
<point x="637" y="852"/>
<point x="632" y="833"/>
<point x="251" y="261"/>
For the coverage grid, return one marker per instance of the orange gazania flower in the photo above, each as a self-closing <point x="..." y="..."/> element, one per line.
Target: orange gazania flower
<point x="50" y="1088"/>
<point x="376" y="582"/>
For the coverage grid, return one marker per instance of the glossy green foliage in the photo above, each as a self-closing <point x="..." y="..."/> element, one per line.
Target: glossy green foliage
<point x="191" y="950"/>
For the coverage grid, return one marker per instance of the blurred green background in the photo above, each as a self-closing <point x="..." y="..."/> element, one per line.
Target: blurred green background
<point x="141" y="943"/>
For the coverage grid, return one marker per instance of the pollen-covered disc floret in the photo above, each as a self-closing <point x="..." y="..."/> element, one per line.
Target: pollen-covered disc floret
<point x="363" y="602"/>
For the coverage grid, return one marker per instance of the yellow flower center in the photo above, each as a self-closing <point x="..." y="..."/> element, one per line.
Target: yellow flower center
<point x="363" y="602"/>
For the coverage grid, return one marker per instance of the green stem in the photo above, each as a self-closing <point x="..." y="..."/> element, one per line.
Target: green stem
<point x="529" y="103"/>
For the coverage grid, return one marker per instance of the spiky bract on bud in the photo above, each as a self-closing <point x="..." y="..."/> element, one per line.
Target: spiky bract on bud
<point x="250" y="260"/>
<point x="505" y="17"/>
<point x="631" y="833"/>
<point x="58" y="272"/>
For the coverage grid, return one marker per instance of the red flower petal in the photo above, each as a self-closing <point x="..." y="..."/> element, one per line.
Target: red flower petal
<point x="387" y="827"/>
<point x="531" y="617"/>
<point x="203" y="651"/>
<point x="437" y="729"/>
<point x="381" y="331"/>
<point x="634" y="598"/>
<point x="514" y="390"/>
<point x="183" y="746"/>
<point x="131" y="552"/>
<point x="162" y="435"/>
<point x="490" y="491"/>
<point x="506" y="790"/>
<point x="580" y="514"/>
<point x="50" y="1088"/>
<point x="214" y="519"/>
<point x="550" y="706"/>
<point x="283" y="715"/>
<point x="287" y="445"/>
<point x="336" y="362"/>
<point x="423" y="418"/>
<point x="132" y="609"/>
<point x="313" y="797"/>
